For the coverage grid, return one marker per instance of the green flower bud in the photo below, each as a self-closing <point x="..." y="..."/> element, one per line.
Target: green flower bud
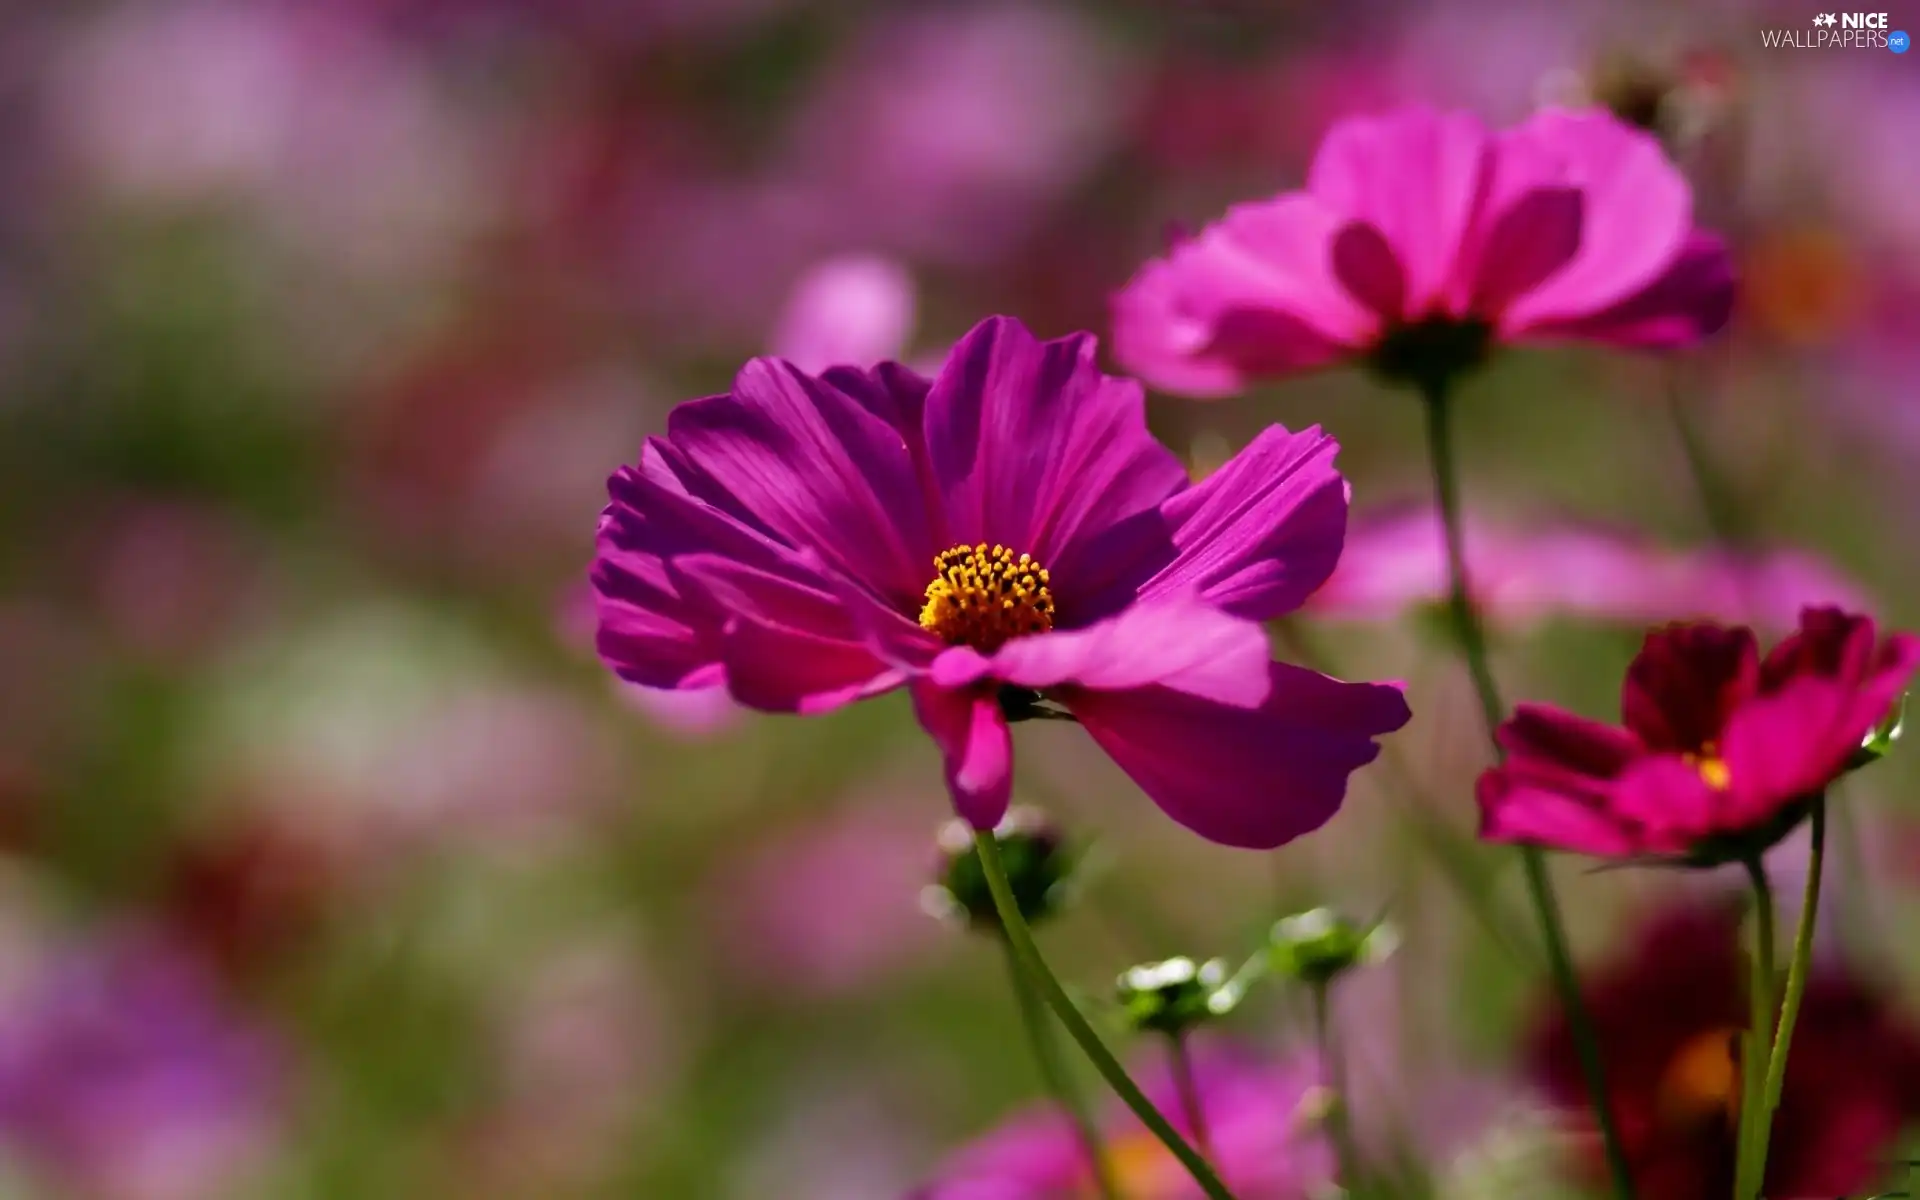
<point x="1171" y="997"/>
<point x="1039" y="866"/>
<point x="1315" y="946"/>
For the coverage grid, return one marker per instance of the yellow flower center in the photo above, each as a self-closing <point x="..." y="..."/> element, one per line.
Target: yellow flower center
<point x="1711" y="766"/>
<point x="985" y="597"/>
<point x="1703" y="1080"/>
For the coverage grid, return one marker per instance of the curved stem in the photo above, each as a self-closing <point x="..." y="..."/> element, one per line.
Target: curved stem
<point x="1027" y="954"/>
<point x="1797" y="969"/>
<point x="1333" y="1071"/>
<point x="1189" y="1088"/>
<point x="1751" y="1151"/>
<point x="1473" y="647"/>
<point x="1046" y="1057"/>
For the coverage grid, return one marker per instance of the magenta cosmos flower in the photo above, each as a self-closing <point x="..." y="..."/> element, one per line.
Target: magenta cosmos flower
<point x="1000" y="537"/>
<point x="1721" y="748"/>
<point x="1421" y="240"/>
<point x="1260" y="1124"/>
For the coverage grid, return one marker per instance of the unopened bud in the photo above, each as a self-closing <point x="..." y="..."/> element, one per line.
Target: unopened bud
<point x="1315" y="946"/>
<point x="1172" y="997"/>
<point x="1038" y="862"/>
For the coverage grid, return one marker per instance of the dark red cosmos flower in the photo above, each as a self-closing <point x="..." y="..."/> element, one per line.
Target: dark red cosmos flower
<point x="1719" y="752"/>
<point x="1668" y="1017"/>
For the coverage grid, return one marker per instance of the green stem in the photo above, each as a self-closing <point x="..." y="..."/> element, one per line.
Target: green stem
<point x="1473" y="646"/>
<point x="1333" y="1071"/>
<point x="1027" y="954"/>
<point x="1750" y="1157"/>
<point x="1189" y="1088"/>
<point x="1053" y="1073"/>
<point x="1797" y="969"/>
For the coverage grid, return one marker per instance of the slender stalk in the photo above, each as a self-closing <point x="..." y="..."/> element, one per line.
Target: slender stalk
<point x="1717" y="505"/>
<point x="1333" y="1072"/>
<point x="1189" y="1088"/>
<point x="1797" y="969"/>
<point x="1751" y="1155"/>
<point x="1546" y="907"/>
<point x="1027" y="955"/>
<point x="1053" y="1073"/>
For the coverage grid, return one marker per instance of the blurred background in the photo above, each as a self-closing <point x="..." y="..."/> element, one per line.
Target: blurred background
<point x="334" y="863"/>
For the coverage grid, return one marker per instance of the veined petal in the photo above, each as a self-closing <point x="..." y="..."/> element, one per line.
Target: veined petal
<point x="1261" y="533"/>
<point x="819" y="469"/>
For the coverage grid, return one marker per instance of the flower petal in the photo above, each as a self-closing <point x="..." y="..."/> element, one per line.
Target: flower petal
<point x="1261" y="533"/>
<point x="1254" y="293"/>
<point x="816" y="468"/>
<point x="1034" y="448"/>
<point x="972" y="734"/>
<point x="1685" y="683"/>
<point x="1689" y="301"/>
<point x="1365" y="264"/>
<point x="1546" y="737"/>
<point x="787" y="644"/>
<point x="1671" y="803"/>
<point x="1514" y="809"/>
<point x="1178" y="642"/>
<point x="1538" y="235"/>
<point x="1637" y="217"/>
<point x="1414" y="176"/>
<point x="1255" y="778"/>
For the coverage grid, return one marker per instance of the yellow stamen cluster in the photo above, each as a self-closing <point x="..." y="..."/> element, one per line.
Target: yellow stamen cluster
<point x="985" y="597"/>
<point x="1711" y="766"/>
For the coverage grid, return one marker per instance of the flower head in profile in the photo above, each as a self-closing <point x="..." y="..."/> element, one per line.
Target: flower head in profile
<point x="1006" y="541"/>
<point x="1668" y="1018"/>
<point x="1260" y="1122"/>
<point x="1718" y="752"/>
<point x="1422" y="240"/>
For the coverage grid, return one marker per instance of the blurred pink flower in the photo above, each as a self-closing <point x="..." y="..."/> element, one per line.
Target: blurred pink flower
<point x="124" y="1075"/>
<point x="832" y="906"/>
<point x="298" y="109"/>
<point x="1420" y="242"/>
<point x="855" y="310"/>
<point x="945" y="133"/>
<point x="1259" y="1120"/>
<point x="1396" y="561"/>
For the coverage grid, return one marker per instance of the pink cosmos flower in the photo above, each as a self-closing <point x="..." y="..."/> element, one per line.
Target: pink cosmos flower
<point x="1000" y="538"/>
<point x="1719" y="747"/>
<point x="1395" y="561"/>
<point x="853" y="310"/>
<point x="1259" y="1124"/>
<point x="1421" y="240"/>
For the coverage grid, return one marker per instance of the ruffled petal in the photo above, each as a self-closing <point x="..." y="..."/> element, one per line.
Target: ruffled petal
<point x="1552" y="738"/>
<point x="1034" y="448"/>
<point x="1177" y="642"/>
<point x="815" y="468"/>
<point x="972" y="734"/>
<point x="1254" y="778"/>
<point x="1415" y="177"/>
<point x="1261" y="533"/>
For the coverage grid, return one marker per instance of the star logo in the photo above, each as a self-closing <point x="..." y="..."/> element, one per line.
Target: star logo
<point x="1826" y="19"/>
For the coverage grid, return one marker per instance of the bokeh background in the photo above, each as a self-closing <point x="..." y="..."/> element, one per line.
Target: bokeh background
<point x="334" y="863"/>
